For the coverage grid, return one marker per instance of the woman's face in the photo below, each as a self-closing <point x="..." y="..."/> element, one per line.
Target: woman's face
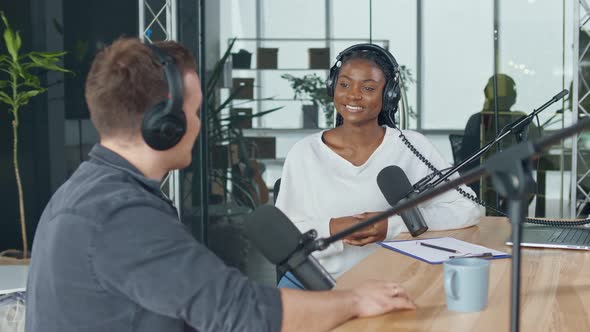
<point x="358" y="95"/>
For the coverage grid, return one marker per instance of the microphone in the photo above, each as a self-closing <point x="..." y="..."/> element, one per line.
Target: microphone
<point x="282" y="244"/>
<point x="560" y="95"/>
<point x="395" y="186"/>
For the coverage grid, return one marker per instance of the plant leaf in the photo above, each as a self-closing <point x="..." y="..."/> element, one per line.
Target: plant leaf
<point x="48" y="54"/>
<point x="4" y="19"/>
<point x="5" y="98"/>
<point x="31" y="80"/>
<point x="17" y="42"/>
<point x="24" y="97"/>
<point x="218" y="69"/>
<point x="238" y="118"/>
<point x="10" y="43"/>
<point x="48" y="63"/>
<point x="58" y="26"/>
<point x="81" y="50"/>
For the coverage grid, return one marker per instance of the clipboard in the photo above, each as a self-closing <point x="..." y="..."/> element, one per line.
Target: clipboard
<point x="431" y="255"/>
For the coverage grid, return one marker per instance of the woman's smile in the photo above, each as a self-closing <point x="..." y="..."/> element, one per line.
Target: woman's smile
<point x="354" y="108"/>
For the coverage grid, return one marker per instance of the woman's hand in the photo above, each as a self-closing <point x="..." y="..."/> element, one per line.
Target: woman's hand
<point x="339" y="224"/>
<point x="373" y="233"/>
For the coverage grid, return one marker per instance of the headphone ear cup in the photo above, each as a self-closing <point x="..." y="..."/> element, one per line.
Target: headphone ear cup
<point x="331" y="81"/>
<point x="162" y="131"/>
<point x="391" y="96"/>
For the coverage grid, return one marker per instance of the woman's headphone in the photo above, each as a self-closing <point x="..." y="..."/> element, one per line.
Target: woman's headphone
<point x="391" y="91"/>
<point x="165" y="123"/>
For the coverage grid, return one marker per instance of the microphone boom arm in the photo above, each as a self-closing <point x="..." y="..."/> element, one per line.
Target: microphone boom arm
<point x="515" y="126"/>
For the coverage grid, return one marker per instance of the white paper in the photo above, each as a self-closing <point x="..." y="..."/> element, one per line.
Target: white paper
<point x="436" y="256"/>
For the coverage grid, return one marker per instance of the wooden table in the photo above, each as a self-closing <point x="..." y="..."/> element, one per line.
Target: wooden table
<point x="555" y="287"/>
<point x="14" y="261"/>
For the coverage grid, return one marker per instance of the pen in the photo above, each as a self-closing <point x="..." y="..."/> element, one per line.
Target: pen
<point x="482" y="255"/>
<point x="437" y="247"/>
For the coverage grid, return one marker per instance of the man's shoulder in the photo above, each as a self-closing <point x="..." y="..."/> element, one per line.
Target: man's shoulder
<point x="96" y="192"/>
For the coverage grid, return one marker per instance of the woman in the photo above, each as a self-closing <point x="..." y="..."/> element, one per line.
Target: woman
<point x="329" y="178"/>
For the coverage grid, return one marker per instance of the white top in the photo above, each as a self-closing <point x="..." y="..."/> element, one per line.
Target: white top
<point x="317" y="184"/>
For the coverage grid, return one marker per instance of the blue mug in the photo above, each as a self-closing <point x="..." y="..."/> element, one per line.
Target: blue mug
<point x="466" y="284"/>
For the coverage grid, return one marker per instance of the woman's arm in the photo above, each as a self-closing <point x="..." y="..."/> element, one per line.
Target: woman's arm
<point x="293" y="201"/>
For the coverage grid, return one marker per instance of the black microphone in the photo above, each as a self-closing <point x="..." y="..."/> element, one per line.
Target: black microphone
<point x="395" y="186"/>
<point x="283" y="245"/>
<point x="560" y="95"/>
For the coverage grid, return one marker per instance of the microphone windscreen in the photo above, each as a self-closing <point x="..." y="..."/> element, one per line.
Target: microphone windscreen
<point x="562" y="94"/>
<point x="271" y="232"/>
<point x="394" y="184"/>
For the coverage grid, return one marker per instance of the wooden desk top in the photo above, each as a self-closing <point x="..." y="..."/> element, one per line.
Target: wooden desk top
<point x="555" y="287"/>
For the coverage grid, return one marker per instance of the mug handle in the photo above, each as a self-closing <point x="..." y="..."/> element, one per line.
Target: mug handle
<point x="449" y="276"/>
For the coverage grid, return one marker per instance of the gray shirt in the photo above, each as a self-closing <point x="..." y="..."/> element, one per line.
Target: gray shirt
<point x="110" y="254"/>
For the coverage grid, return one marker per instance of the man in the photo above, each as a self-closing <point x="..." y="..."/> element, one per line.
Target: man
<point x="110" y="253"/>
<point x="479" y="129"/>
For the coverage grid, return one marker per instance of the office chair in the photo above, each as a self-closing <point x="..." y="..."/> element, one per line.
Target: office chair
<point x="275" y="195"/>
<point x="275" y="190"/>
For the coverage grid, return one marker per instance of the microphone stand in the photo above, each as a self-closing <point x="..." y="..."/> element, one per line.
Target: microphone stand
<point x="514" y="127"/>
<point x="511" y="176"/>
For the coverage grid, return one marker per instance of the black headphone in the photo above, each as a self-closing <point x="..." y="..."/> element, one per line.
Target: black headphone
<point x="391" y="91"/>
<point x="165" y="123"/>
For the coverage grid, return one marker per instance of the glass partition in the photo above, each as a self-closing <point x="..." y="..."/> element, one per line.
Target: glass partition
<point x="456" y="68"/>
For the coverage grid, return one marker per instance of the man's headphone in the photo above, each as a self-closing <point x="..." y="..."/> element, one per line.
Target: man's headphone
<point x="391" y="91"/>
<point x="505" y="84"/>
<point x="165" y="123"/>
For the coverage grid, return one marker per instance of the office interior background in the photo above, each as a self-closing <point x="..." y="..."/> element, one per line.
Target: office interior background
<point x="448" y="50"/>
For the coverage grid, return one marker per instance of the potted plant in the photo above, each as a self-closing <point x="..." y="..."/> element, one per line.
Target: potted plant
<point x="312" y="88"/>
<point x="231" y="149"/>
<point x="19" y="84"/>
<point x="236" y="183"/>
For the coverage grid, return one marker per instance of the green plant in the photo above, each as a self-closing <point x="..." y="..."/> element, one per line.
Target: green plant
<point x="223" y="131"/>
<point x="312" y="87"/>
<point x="16" y="89"/>
<point x="406" y="79"/>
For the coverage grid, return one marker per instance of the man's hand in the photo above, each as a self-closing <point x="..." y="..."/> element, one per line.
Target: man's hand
<point x="322" y="311"/>
<point x="374" y="233"/>
<point x="378" y="297"/>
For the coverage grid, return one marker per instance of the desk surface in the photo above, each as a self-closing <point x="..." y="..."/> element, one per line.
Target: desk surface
<point x="555" y="288"/>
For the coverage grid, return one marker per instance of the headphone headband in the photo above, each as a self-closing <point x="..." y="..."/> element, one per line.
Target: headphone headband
<point x="372" y="48"/>
<point x="165" y="123"/>
<point x="173" y="78"/>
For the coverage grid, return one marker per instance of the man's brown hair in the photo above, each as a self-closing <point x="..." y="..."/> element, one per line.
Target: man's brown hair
<point x="125" y="80"/>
